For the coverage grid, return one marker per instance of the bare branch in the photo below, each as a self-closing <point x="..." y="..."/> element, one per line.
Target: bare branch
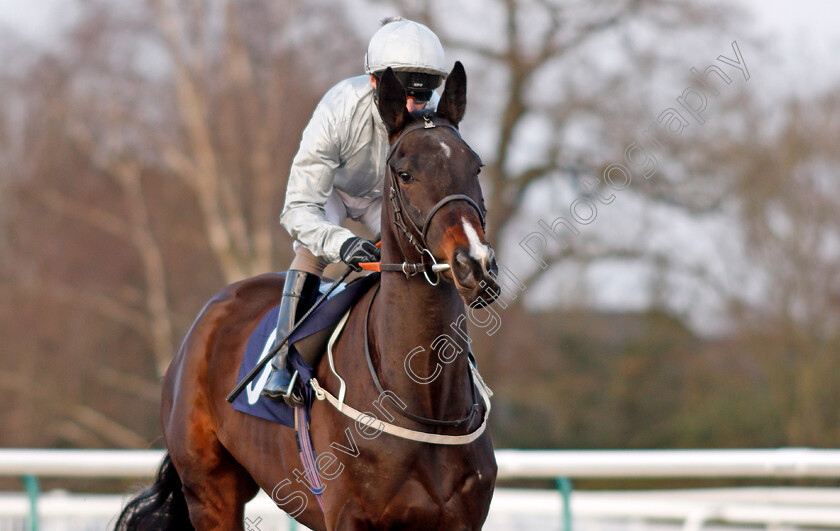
<point x="587" y="32"/>
<point x="225" y="234"/>
<point x="84" y="212"/>
<point x="107" y="307"/>
<point x="73" y="432"/>
<point x="582" y="255"/>
<point x="127" y="382"/>
<point x="106" y="428"/>
<point x="127" y="173"/>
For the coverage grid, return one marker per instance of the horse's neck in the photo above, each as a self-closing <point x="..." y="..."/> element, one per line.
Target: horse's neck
<point x="411" y="316"/>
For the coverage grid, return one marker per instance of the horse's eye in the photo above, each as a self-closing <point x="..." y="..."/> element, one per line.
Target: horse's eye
<point x="404" y="176"/>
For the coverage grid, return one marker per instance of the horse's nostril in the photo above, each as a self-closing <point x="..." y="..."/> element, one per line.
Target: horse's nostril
<point x="462" y="259"/>
<point x="462" y="265"/>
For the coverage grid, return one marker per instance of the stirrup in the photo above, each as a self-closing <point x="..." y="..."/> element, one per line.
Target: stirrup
<point x="287" y="395"/>
<point x="273" y="389"/>
<point x="292" y="398"/>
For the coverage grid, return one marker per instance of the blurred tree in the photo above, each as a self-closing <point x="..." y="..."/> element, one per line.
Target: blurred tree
<point x="144" y="161"/>
<point x="788" y="185"/>
<point x="558" y="91"/>
<point x="154" y="146"/>
<point x="561" y="90"/>
<point x="774" y="379"/>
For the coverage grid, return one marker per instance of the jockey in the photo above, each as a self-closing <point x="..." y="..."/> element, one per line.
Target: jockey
<point x="339" y="170"/>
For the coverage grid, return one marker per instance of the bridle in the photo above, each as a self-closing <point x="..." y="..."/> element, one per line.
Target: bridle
<point x="415" y="234"/>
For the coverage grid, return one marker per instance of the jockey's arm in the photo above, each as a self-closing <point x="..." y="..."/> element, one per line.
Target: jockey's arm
<point x="310" y="185"/>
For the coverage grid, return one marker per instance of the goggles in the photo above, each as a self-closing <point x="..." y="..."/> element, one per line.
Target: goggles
<point x="419" y="85"/>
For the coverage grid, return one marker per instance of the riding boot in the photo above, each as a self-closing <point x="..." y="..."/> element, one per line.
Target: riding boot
<point x="299" y="293"/>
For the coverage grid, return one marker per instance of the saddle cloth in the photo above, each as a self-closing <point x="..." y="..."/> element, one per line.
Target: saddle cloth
<point x="324" y="318"/>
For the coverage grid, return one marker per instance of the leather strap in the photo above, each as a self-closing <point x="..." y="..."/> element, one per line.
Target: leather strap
<point x="404" y="433"/>
<point x="376" y="382"/>
<point x="307" y="454"/>
<point x="443" y="202"/>
<point x="418" y="238"/>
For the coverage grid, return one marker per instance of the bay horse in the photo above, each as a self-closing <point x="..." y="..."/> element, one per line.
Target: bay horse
<point x="218" y="458"/>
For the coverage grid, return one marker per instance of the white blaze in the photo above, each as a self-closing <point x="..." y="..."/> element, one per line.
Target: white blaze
<point x="479" y="251"/>
<point x="446" y="149"/>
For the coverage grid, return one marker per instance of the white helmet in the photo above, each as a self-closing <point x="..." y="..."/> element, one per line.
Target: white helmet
<point x="405" y="46"/>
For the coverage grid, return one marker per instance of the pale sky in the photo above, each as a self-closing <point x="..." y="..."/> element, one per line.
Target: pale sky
<point x="34" y="19"/>
<point x="804" y="32"/>
<point x="812" y="23"/>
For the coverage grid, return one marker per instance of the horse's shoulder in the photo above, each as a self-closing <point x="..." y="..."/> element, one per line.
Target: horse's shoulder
<point x="362" y="309"/>
<point x="364" y="302"/>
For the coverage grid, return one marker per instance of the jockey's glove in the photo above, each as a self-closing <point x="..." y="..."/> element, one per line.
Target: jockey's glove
<point x="355" y="250"/>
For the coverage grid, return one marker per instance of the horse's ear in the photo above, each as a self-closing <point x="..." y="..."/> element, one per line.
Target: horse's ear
<point x="453" y="103"/>
<point x="392" y="101"/>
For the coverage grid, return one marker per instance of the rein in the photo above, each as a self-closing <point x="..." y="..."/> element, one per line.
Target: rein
<point x="397" y="431"/>
<point x="376" y="382"/>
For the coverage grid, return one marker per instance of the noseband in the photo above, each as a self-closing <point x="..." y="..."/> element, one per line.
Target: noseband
<point x="416" y="235"/>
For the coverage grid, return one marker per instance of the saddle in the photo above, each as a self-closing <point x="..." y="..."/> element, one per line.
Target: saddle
<point x="306" y="346"/>
<point x="313" y="346"/>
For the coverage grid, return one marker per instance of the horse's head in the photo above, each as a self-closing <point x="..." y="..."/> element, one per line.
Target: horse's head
<point x="432" y="198"/>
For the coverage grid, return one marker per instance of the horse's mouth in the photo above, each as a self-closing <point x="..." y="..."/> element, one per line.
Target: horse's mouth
<point x="475" y="279"/>
<point x="479" y="297"/>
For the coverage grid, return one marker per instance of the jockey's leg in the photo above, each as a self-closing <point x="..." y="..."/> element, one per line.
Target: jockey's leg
<point x="299" y="293"/>
<point x="304" y="260"/>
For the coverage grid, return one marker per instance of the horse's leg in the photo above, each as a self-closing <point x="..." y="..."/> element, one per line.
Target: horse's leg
<point x="351" y="517"/>
<point x="215" y="486"/>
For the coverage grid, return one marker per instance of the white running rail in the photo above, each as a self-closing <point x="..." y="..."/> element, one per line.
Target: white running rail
<point x="514" y="508"/>
<point x="775" y="463"/>
<point x="513" y="464"/>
